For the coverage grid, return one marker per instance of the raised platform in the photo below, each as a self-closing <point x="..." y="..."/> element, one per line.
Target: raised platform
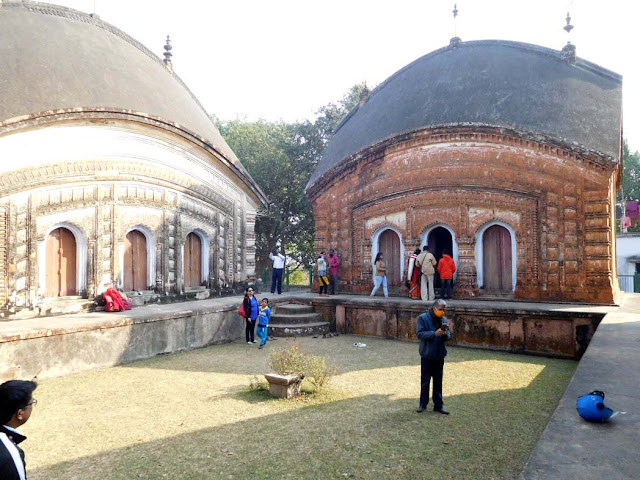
<point x="550" y="329"/>
<point x="571" y="447"/>
<point x="66" y="344"/>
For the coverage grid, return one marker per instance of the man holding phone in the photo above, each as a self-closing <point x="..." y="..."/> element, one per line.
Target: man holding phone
<point x="433" y="331"/>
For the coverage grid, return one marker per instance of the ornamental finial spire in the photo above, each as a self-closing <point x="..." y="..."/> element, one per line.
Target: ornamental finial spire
<point x="455" y="40"/>
<point x="569" y="50"/>
<point x="168" y="54"/>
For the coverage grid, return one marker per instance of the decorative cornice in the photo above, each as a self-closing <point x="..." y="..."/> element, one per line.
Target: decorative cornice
<point x="463" y="133"/>
<point x="57" y="116"/>
<point x="67" y="173"/>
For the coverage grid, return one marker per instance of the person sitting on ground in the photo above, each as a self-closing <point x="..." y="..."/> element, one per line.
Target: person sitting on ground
<point x="263" y="321"/>
<point x="16" y="406"/>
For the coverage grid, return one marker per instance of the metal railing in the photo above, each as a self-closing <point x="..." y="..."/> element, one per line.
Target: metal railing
<point x="629" y="283"/>
<point x="295" y="278"/>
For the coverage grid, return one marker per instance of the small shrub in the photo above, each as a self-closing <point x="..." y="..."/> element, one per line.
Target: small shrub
<point x="320" y="372"/>
<point x="288" y="361"/>
<point x="256" y="384"/>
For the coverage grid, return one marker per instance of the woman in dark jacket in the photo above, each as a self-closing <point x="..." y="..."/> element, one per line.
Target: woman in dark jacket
<point x="250" y="305"/>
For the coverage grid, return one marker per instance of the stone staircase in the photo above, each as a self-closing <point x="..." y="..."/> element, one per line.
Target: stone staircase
<point x="293" y="320"/>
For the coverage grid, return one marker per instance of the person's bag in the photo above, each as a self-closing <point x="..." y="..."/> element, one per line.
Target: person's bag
<point x="241" y="311"/>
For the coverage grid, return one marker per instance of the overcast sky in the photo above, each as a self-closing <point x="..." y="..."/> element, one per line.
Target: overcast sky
<point x="282" y="59"/>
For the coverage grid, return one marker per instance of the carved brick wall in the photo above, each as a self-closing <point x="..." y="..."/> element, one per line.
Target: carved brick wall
<point x="557" y="202"/>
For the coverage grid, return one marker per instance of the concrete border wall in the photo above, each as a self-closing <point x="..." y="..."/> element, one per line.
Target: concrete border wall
<point x="540" y="329"/>
<point x="56" y="346"/>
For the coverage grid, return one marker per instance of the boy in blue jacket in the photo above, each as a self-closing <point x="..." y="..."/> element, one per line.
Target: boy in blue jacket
<point x="433" y="331"/>
<point x="264" y="315"/>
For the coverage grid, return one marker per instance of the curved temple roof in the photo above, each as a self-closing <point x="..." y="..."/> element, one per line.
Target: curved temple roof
<point x="58" y="59"/>
<point x="491" y="82"/>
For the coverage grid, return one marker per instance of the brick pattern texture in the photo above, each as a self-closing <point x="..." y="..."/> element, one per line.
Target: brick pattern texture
<point x="559" y="202"/>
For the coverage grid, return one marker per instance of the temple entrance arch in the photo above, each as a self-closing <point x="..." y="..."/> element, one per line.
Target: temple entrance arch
<point x="389" y="241"/>
<point x="438" y="239"/>
<point x="195" y="259"/>
<point x="496" y="257"/>
<point x="61" y="263"/>
<point x="135" y="262"/>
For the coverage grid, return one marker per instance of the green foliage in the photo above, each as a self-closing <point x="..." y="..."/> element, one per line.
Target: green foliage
<point x="631" y="174"/>
<point x="292" y="360"/>
<point x="281" y="158"/>
<point x="320" y="372"/>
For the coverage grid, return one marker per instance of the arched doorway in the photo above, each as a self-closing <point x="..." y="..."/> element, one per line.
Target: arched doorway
<point x="61" y="264"/>
<point x="439" y="240"/>
<point x="135" y="261"/>
<point x="192" y="261"/>
<point x="389" y="245"/>
<point x="497" y="258"/>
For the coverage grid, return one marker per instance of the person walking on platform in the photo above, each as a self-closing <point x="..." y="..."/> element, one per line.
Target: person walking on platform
<point x="446" y="269"/>
<point x="278" y="268"/>
<point x="380" y="275"/>
<point x="322" y="274"/>
<point x="427" y="262"/>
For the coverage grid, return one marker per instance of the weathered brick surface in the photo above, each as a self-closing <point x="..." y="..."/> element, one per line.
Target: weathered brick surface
<point x="557" y="202"/>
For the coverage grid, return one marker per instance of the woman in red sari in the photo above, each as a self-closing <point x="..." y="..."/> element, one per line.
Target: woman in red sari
<point x="413" y="276"/>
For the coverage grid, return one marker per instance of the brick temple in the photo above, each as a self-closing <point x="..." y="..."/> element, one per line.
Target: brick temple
<point x="506" y="154"/>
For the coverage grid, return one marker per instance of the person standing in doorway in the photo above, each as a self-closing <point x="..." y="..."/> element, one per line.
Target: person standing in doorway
<point x="16" y="406"/>
<point x="278" y="268"/>
<point x="250" y="305"/>
<point x="446" y="269"/>
<point x="380" y="275"/>
<point x="427" y="262"/>
<point x="433" y="331"/>
<point x="334" y="271"/>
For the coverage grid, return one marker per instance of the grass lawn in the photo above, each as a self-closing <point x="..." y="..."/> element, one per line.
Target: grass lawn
<point x="192" y="416"/>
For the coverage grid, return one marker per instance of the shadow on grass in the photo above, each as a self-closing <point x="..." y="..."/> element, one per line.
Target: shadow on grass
<point x="488" y="435"/>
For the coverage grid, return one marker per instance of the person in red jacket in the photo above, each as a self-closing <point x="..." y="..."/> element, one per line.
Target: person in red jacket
<point x="446" y="269"/>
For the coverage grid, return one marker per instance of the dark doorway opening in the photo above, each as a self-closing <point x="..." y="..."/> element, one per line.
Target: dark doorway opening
<point x="61" y="264"/>
<point x="438" y="241"/>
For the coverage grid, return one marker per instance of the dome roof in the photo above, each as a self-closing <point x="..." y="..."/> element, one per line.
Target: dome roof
<point x="494" y="83"/>
<point x="55" y="59"/>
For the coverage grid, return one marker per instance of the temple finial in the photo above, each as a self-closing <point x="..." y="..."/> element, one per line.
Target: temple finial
<point x="455" y="40"/>
<point x="168" y="54"/>
<point x="569" y="50"/>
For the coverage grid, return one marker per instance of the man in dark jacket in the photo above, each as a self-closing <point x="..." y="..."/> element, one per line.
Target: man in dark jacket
<point x="433" y="331"/>
<point x="16" y="405"/>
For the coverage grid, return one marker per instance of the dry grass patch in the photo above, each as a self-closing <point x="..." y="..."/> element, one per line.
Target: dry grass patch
<point x="193" y="416"/>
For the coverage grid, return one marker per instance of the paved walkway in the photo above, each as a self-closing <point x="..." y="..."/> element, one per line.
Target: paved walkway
<point x="571" y="448"/>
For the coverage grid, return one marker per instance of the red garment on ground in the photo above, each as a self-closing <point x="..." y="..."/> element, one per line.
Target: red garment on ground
<point x="114" y="300"/>
<point x="446" y="267"/>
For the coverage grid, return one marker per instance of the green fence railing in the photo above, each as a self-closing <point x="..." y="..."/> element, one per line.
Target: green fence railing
<point x="300" y="278"/>
<point x="629" y="283"/>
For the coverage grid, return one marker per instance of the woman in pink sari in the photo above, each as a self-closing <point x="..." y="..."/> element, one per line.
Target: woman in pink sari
<point x="413" y="276"/>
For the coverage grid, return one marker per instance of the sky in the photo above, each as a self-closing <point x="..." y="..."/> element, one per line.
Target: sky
<point x="283" y="59"/>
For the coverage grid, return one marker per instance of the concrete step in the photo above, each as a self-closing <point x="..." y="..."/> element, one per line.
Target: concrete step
<point x="295" y="319"/>
<point x="294" y="308"/>
<point x="298" y="330"/>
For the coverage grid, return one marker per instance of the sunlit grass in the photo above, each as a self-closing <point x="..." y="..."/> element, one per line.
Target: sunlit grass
<point x="191" y="415"/>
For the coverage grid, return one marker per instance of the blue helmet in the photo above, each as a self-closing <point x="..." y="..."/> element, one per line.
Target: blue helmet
<point x="591" y="407"/>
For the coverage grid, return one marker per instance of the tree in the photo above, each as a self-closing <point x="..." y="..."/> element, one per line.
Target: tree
<point x="281" y="158"/>
<point x="631" y="173"/>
